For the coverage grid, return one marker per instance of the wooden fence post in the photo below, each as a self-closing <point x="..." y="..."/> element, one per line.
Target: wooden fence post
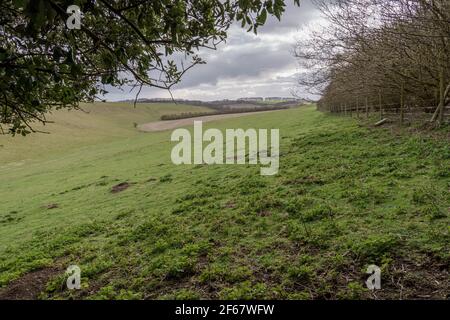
<point x="381" y="105"/>
<point x="357" y="107"/>
<point x="442" y="94"/>
<point x="402" y="102"/>
<point x="367" y="108"/>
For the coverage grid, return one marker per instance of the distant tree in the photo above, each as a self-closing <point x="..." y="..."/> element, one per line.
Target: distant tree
<point x="45" y="65"/>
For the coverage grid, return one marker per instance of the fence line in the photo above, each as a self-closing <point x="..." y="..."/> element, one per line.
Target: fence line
<point x="384" y="110"/>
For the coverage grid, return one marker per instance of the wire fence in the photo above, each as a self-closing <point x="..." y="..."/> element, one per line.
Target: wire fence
<point x="407" y="113"/>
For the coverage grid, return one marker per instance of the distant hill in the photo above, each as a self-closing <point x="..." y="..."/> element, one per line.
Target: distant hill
<point x="229" y="104"/>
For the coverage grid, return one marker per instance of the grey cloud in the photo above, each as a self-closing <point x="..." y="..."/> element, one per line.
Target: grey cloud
<point x="293" y="17"/>
<point x="246" y="64"/>
<point x="243" y="61"/>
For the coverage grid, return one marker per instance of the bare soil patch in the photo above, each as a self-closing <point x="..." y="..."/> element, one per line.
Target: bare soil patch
<point x="29" y="286"/>
<point x="120" y="187"/>
<point x="418" y="280"/>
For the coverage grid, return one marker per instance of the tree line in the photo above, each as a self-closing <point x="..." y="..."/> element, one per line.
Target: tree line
<point x="380" y="55"/>
<point x="220" y="110"/>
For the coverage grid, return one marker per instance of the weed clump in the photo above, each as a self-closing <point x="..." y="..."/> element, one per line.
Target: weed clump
<point x="375" y="247"/>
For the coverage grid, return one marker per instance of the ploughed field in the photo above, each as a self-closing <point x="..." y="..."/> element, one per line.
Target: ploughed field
<point x="100" y="194"/>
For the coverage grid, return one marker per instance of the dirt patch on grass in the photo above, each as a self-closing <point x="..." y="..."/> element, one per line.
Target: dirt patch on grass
<point x="426" y="279"/>
<point x="172" y="124"/>
<point x="120" y="187"/>
<point x="264" y="213"/>
<point x="30" y="285"/>
<point x="423" y="278"/>
<point x="230" y="205"/>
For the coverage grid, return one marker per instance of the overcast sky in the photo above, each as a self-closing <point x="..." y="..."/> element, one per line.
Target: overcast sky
<point x="247" y="65"/>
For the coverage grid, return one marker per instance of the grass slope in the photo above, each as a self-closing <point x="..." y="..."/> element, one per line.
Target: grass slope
<point x="99" y="122"/>
<point x="345" y="197"/>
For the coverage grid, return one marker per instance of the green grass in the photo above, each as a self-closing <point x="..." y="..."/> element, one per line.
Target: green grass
<point x="345" y="197"/>
<point x="99" y="122"/>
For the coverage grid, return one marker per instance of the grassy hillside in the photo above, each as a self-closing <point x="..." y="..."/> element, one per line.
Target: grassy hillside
<point x="345" y="197"/>
<point x="97" y="122"/>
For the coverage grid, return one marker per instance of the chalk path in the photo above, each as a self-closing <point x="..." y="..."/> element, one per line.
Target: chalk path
<point x="172" y="124"/>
